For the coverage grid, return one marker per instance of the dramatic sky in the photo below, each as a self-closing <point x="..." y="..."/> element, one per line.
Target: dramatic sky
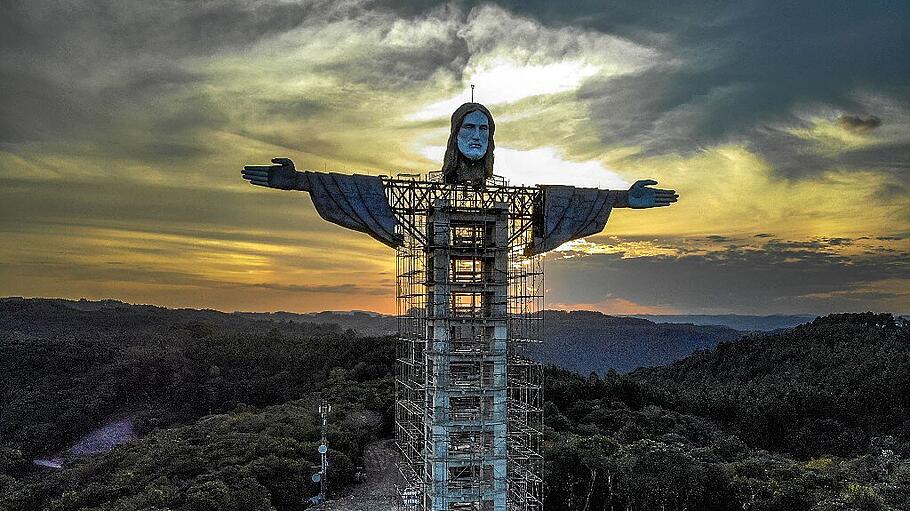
<point x="784" y="126"/>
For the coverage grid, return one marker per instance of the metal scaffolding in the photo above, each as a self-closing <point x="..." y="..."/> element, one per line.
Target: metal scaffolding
<point x="468" y="402"/>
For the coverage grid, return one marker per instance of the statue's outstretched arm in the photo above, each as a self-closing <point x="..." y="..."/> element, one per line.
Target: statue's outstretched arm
<point x="281" y="175"/>
<point x="570" y="213"/>
<point x="357" y="202"/>
<point x="639" y="196"/>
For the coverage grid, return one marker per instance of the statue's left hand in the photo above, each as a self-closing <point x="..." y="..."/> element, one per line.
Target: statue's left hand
<point x="280" y="174"/>
<point x="640" y="196"/>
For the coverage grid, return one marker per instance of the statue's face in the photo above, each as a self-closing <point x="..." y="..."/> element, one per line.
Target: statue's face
<point x="474" y="135"/>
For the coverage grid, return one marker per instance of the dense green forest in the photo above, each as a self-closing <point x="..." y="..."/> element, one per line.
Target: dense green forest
<point x="814" y="418"/>
<point x="224" y="406"/>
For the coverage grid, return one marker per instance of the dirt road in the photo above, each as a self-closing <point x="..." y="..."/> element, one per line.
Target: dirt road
<point x="377" y="492"/>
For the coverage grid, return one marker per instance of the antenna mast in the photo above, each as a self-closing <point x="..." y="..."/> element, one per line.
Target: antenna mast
<point x="320" y="477"/>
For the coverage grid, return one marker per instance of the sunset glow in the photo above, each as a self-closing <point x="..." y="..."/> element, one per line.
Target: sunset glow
<point x="125" y="127"/>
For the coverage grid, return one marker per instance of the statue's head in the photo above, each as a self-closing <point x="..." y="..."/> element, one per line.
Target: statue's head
<point x="469" y="153"/>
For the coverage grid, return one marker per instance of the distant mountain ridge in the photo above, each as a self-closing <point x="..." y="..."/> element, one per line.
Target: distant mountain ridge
<point x="581" y="341"/>
<point x="375" y="323"/>
<point x="587" y="341"/>
<point x="363" y="322"/>
<point x="746" y="323"/>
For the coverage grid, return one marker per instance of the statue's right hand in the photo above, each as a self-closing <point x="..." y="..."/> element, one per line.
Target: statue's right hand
<point x="281" y="174"/>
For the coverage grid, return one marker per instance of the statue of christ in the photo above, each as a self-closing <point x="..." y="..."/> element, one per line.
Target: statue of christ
<point x="359" y="202"/>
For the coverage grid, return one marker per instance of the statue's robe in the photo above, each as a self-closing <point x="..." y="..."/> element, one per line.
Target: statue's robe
<point x="570" y="213"/>
<point x="359" y="202"/>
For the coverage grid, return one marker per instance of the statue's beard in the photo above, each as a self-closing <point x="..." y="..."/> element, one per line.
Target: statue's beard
<point x="471" y="170"/>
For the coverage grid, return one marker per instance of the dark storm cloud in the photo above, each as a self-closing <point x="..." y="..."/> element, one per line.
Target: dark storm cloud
<point x="778" y="276"/>
<point x="792" y="156"/>
<point x="781" y="246"/>
<point x="116" y="271"/>
<point x="110" y="272"/>
<point x="84" y="68"/>
<point x="859" y="123"/>
<point x="340" y="288"/>
<point x="632" y="20"/>
<point x="893" y="157"/>
<point x="397" y="68"/>
<point x="741" y="67"/>
<point x="192" y="213"/>
<point x="729" y="73"/>
<point x="174" y="29"/>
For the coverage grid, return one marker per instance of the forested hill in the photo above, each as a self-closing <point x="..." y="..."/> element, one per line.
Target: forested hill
<point x="587" y="341"/>
<point x="362" y="322"/>
<point x="224" y="406"/>
<point x="812" y="419"/>
<point x="827" y="387"/>
<point x="42" y="317"/>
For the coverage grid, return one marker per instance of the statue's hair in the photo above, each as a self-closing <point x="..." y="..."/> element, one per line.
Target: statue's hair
<point x="453" y="159"/>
